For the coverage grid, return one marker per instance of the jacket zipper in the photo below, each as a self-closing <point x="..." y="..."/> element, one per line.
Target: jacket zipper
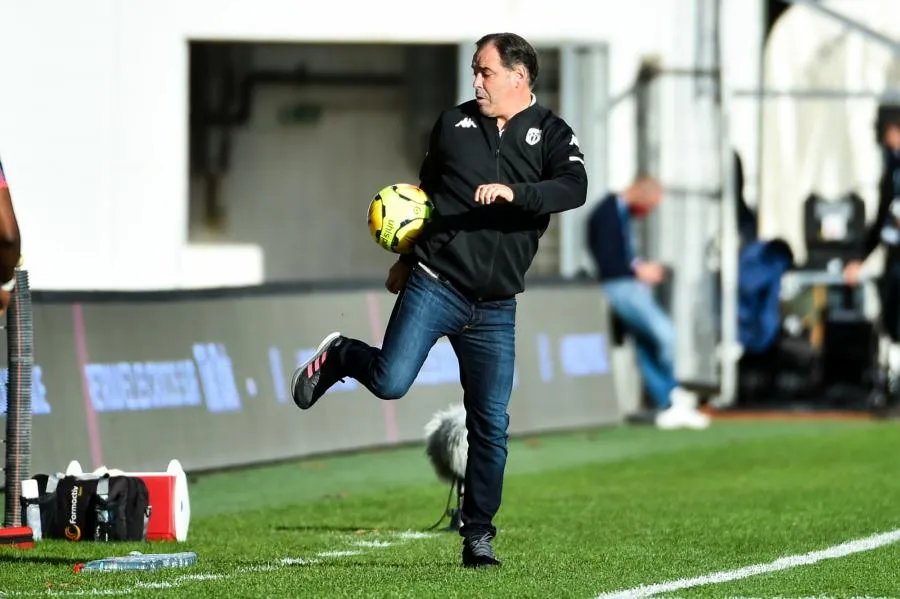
<point x="497" y="234"/>
<point x="497" y="156"/>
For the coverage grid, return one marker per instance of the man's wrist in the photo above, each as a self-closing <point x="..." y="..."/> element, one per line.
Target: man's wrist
<point x="408" y="259"/>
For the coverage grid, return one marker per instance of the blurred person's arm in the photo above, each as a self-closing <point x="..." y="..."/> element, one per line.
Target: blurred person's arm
<point x="873" y="234"/>
<point x="10" y="243"/>
<point x="651" y="273"/>
<point x="608" y="244"/>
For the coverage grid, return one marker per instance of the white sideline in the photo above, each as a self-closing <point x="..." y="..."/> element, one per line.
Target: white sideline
<point x="178" y="581"/>
<point x="784" y="563"/>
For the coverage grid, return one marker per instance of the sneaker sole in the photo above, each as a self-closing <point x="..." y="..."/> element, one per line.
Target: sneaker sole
<point x="306" y="364"/>
<point x="476" y="566"/>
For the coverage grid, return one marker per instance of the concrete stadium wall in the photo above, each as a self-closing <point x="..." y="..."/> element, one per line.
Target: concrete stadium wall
<point x="295" y="189"/>
<point x="94" y="119"/>
<point x="133" y="380"/>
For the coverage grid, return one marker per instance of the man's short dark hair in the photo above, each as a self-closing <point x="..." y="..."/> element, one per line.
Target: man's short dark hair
<point x="514" y="50"/>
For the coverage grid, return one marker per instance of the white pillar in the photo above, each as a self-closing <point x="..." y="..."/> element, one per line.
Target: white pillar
<point x="584" y="96"/>
<point x="464" y="91"/>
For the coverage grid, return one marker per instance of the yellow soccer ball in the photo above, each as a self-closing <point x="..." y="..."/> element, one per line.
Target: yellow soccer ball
<point x="397" y="214"/>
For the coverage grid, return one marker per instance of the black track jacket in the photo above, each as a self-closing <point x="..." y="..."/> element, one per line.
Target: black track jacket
<point x="484" y="251"/>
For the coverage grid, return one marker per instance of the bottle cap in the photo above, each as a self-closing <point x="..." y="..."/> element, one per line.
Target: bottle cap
<point x="30" y="489"/>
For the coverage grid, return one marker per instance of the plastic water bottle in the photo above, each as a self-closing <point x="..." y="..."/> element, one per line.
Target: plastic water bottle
<point x="105" y="520"/>
<point x="139" y="561"/>
<point x="32" y="509"/>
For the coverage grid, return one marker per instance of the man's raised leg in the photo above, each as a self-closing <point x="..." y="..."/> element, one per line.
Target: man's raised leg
<point x="425" y="311"/>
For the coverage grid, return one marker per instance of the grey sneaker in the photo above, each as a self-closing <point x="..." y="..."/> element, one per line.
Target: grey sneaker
<point x="312" y="379"/>
<point x="478" y="552"/>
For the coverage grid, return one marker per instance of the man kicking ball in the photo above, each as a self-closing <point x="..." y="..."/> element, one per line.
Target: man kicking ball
<point x="497" y="167"/>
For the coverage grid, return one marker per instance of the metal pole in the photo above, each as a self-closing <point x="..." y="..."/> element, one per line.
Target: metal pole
<point x="20" y="343"/>
<point x="598" y="130"/>
<point x="648" y="160"/>
<point x="584" y="94"/>
<point x="760" y="110"/>
<point x="865" y="30"/>
<point x="729" y="349"/>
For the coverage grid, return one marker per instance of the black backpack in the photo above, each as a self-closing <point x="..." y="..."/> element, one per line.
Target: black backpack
<point x="88" y="508"/>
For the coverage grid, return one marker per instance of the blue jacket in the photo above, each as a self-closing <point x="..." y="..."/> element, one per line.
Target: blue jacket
<point x="761" y="267"/>
<point x="609" y="241"/>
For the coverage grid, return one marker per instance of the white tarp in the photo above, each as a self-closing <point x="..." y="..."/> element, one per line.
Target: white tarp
<point x="824" y="146"/>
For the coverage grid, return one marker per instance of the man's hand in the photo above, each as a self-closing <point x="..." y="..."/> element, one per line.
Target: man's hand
<point x="851" y="273"/>
<point x="397" y="276"/>
<point x="651" y="273"/>
<point x="493" y="192"/>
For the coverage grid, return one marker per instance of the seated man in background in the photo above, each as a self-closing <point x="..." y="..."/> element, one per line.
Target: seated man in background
<point x="627" y="281"/>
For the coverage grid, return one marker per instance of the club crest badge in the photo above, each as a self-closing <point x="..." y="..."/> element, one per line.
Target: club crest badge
<point x="532" y="136"/>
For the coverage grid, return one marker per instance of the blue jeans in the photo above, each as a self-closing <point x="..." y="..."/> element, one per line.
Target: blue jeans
<point x="653" y="333"/>
<point x="483" y="336"/>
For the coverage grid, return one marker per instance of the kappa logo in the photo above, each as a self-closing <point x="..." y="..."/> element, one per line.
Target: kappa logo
<point x="532" y="136"/>
<point x="466" y="123"/>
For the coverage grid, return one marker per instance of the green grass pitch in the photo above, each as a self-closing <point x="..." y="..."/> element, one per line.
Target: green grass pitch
<point x="584" y="513"/>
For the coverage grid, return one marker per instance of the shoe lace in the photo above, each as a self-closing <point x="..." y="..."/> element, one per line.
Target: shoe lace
<point x="481" y="546"/>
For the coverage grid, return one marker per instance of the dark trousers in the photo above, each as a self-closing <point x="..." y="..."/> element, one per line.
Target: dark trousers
<point x="889" y="297"/>
<point x="483" y="337"/>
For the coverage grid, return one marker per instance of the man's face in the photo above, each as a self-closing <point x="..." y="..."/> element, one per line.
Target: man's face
<point x="494" y="84"/>
<point x="892" y="137"/>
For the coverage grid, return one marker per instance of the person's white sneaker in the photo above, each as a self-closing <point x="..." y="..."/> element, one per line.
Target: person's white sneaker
<point x="682" y="398"/>
<point x="682" y="413"/>
<point x="670" y="418"/>
<point x="695" y="419"/>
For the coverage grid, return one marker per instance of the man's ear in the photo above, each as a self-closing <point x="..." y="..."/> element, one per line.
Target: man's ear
<point x="521" y="74"/>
